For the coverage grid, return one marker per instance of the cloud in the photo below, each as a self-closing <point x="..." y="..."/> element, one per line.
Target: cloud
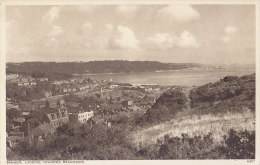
<point x="165" y="40"/>
<point x="187" y="39"/>
<point x="86" y="27"/>
<point x="109" y="27"/>
<point x="181" y="13"/>
<point x="128" y="11"/>
<point x="231" y="29"/>
<point x="161" y="40"/>
<point x="55" y="31"/>
<point x="52" y="14"/>
<point x="226" y="38"/>
<point x="124" y="38"/>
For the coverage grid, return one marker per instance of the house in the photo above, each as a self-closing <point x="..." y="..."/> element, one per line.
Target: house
<point x="47" y="94"/>
<point x="113" y="86"/>
<point x="81" y="117"/>
<point x="127" y="105"/>
<point x="25" y="114"/>
<point x="19" y="120"/>
<point x="42" y="131"/>
<point x="82" y="87"/>
<point x="33" y="83"/>
<point x="31" y="79"/>
<point x="26" y="83"/>
<point x="43" y="79"/>
<point x="58" y="118"/>
<point x="64" y="90"/>
<point x="11" y="76"/>
<point x="57" y="82"/>
<point x="24" y="80"/>
<point x="16" y="133"/>
<point x="55" y="103"/>
<point x="20" y="84"/>
<point x="74" y="89"/>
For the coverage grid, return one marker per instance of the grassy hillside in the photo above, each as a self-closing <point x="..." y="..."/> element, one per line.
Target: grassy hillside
<point x="231" y="93"/>
<point x="214" y="109"/>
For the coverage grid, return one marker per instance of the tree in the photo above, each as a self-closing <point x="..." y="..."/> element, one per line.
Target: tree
<point x="240" y="145"/>
<point x="13" y="113"/>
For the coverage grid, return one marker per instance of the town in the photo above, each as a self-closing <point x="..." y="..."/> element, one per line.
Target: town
<point x="37" y="107"/>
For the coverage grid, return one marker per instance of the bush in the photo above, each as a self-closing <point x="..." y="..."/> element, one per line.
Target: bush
<point x="239" y="145"/>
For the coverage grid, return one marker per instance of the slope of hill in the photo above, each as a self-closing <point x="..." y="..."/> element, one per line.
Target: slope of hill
<point x="214" y="108"/>
<point x="42" y="69"/>
<point x="166" y="106"/>
<point x="231" y="93"/>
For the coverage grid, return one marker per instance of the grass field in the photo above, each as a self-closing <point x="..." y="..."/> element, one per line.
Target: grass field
<point x="194" y="124"/>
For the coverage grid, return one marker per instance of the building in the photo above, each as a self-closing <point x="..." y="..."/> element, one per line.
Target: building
<point x="55" y="103"/>
<point x="113" y="86"/>
<point x="33" y="83"/>
<point x="26" y="83"/>
<point x="74" y="89"/>
<point x="58" y="118"/>
<point x="31" y="79"/>
<point x="43" y="79"/>
<point x="57" y="82"/>
<point x="65" y="90"/>
<point x="81" y="117"/>
<point x="82" y="87"/>
<point x="11" y="76"/>
<point x="127" y="105"/>
<point x="24" y="80"/>
<point x="47" y="94"/>
<point x="20" y="84"/>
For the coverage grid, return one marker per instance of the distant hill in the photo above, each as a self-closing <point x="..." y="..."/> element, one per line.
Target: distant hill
<point x="66" y="69"/>
<point x="230" y="94"/>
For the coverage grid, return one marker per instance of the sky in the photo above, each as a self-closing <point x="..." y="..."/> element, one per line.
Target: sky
<point x="210" y="34"/>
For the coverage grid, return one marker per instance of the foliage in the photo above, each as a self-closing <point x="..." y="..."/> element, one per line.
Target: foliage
<point x="74" y="140"/>
<point x="13" y="114"/>
<point x="72" y="98"/>
<point x="165" y="107"/>
<point x="239" y="145"/>
<point x="238" y="90"/>
<point x="26" y="93"/>
<point x="34" y="119"/>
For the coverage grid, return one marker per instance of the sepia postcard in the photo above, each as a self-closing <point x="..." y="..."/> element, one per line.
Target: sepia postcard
<point x="129" y="82"/>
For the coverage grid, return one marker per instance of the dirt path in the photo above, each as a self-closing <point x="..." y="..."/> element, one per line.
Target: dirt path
<point x="186" y="91"/>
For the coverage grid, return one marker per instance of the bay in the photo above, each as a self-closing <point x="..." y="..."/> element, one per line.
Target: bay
<point x="189" y="77"/>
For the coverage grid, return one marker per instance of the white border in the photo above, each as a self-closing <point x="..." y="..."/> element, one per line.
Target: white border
<point x="5" y="3"/>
